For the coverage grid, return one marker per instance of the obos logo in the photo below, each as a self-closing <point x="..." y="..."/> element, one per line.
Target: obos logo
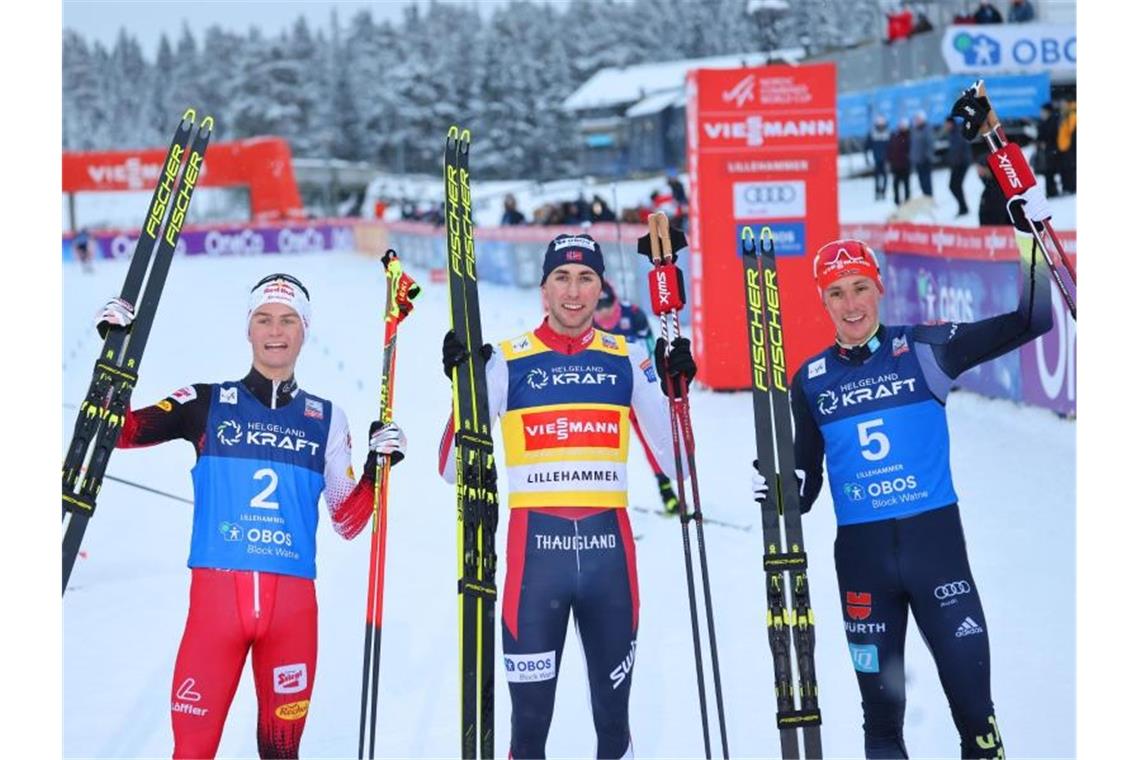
<point x="229" y="432"/>
<point x="853" y="491"/>
<point x="537" y="378"/>
<point x="230" y="531"/>
<point x="827" y="402"/>
<point x="530" y="668"/>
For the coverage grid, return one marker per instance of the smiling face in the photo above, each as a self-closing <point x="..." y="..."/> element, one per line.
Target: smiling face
<point x="570" y="295"/>
<point x="853" y="305"/>
<point x="275" y="334"/>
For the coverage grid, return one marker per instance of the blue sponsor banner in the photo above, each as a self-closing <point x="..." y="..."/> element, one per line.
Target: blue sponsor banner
<point x="790" y="237"/>
<point x="981" y="50"/>
<point x="1014" y="96"/>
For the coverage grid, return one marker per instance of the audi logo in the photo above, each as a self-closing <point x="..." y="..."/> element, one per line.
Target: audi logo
<point x="947" y="590"/>
<point x="769" y="193"/>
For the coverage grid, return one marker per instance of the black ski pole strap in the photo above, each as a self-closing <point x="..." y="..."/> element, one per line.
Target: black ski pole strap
<point x="478" y="589"/>
<point x="677" y="240"/>
<point x="798" y="718"/>
<point x="973" y="109"/>
<point x="785" y="561"/>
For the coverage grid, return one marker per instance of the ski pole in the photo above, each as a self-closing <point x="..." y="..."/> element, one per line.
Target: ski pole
<point x="401" y="290"/>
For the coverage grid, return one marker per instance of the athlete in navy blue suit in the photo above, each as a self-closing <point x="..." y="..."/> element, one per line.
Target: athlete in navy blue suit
<point x="874" y="403"/>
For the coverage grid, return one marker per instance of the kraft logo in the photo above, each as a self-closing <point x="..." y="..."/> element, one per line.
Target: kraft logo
<point x="742" y="92"/>
<point x="530" y="668"/>
<point x="827" y="402"/>
<point x="290" y="679"/>
<point x="977" y="49"/>
<point x="229" y="432"/>
<point x="537" y="378"/>
<point x="858" y="605"/>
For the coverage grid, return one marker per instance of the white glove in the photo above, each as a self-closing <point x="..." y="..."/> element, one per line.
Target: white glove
<point x="759" y="483"/>
<point x="388" y="439"/>
<point x="117" y="313"/>
<point x="1035" y="207"/>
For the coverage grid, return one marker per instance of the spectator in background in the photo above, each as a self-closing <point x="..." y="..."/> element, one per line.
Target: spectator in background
<point x="1046" y="162"/>
<point x="922" y="152"/>
<point x="682" y="200"/>
<point x="987" y="14"/>
<point x="511" y="214"/>
<point x="1020" y="11"/>
<point x="81" y="245"/>
<point x="991" y="206"/>
<point x="898" y="156"/>
<point x="600" y="212"/>
<point x="900" y="24"/>
<point x="1067" y="146"/>
<point x="877" y="142"/>
<point x="958" y="158"/>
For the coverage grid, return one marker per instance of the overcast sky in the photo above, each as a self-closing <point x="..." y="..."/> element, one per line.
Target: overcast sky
<point x="148" y="19"/>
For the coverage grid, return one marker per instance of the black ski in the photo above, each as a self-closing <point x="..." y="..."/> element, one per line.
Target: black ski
<point x="476" y="490"/>
<point x="794" y="625"/>
<point x="103" y="410"/>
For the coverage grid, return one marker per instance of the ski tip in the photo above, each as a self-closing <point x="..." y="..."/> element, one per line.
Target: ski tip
<point x="747" y="241"/>
<point x="465" y="136"/>
<point x="189" y="115"/>
<point x="207" y="124"/>
<point x="767" y="240"/>
<point x="453" y="132"/>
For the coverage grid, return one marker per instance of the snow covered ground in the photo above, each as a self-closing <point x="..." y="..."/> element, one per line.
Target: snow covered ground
<point x="1014" y="470"/>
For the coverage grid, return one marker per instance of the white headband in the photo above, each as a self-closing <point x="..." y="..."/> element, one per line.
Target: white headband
<point x="283" y="290"/>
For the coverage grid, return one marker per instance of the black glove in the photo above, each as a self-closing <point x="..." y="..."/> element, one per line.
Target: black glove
<point x="455" y="353"/>
<point x="680" y="364"/>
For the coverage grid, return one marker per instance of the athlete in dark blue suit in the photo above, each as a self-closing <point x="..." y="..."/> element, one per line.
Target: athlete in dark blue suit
<point x="874" y="403"/>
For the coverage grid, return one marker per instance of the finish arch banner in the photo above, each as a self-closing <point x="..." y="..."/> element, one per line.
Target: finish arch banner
<point x="263" y="164"/>
<point x="762" y="150"/>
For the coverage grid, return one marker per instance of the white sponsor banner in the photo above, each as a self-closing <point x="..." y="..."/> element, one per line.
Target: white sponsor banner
<point x="978" y="49"/>
<point x="769" y="200"/>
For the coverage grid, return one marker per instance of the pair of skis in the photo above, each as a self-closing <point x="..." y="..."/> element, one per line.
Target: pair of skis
<point x="667" y="292"/>
<point x="1014" y="175"/>
<point x="475" y="475"/>
<point x="785" y="559"/>
<point x="104" y="409"/>
<point x="402" y="290"/>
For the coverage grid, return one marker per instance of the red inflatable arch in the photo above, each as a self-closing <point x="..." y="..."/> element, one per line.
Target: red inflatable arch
<point x="264" y="164"/>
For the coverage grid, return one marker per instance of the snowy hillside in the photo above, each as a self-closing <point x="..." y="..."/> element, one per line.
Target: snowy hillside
<point x="1013" y="470"/>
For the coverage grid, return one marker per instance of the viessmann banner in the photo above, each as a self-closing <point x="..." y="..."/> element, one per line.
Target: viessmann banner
<point x="762" y="147"/>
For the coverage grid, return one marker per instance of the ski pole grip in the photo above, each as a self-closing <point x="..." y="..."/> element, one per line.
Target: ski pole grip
<point x="666" y="289"/>
<point x="1011" y="170"/>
